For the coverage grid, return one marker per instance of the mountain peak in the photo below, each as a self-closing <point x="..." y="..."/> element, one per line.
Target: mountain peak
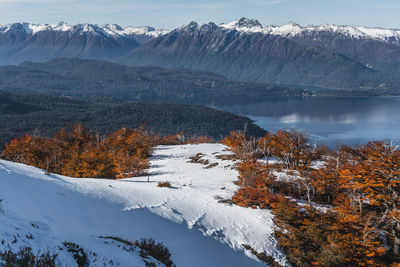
<point x="192" y="25"/>
<point x="248" y="23"/>
<point x="244" y="25"/>
<point x="189" y="27"/>
<point x="294" y="24"/>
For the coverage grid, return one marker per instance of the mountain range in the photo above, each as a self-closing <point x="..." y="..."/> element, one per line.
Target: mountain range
<point x="324" y="56"/>
<point x="41" y="42"/>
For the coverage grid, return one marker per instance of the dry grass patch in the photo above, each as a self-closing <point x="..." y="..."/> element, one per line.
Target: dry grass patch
<point x="164" y="184"/>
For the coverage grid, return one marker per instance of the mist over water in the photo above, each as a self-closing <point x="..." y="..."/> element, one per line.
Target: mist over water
<point x="331" y="121"/>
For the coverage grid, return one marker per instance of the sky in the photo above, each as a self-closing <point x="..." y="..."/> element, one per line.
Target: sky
<point x="169" y="14"/>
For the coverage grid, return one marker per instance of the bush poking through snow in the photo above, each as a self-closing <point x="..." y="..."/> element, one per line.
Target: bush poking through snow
<point x="212" y="165"/>
<point x="198" y="159"/>
<point x="156" y="250"/>
<point x="148" y="248"/>
<point x="118" y="239"/>
<point x="231" y="157"/>
<point x="223" y="200"/>
<point x="78" y="253"/>
<point x="164" y="184"/>
<point x="25" y="257"/>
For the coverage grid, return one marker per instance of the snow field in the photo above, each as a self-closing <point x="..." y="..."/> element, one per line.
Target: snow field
<point x="188" y="218"/>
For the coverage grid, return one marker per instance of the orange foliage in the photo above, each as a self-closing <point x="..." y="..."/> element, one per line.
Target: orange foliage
<point x="173" y="139"/>
<point x="253" y="173"/>
<point x="253" y="197"/>
<point x="370" y="186"/>
<point x="80" y="153"/>
<point x="362" y="228"/>
<point x="235" y="139"/>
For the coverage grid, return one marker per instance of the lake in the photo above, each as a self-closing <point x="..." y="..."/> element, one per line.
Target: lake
<point x="331" y="121"/>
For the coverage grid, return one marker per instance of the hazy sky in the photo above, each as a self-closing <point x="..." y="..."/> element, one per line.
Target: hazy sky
<point x="173" y="13"/>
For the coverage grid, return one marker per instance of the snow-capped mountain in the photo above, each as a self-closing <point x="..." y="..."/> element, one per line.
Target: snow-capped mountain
<point x="292" y="29"/>
<point x="110" y="30"/>
<point x="376" y="48"/>
<point x="243" y="50"/>
<point x="41" y="42"/>
<point x="331" y="56"/>
<point x="244" y="25"/>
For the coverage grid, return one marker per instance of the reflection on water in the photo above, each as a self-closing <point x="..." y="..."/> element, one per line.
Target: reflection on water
<point x="331" y="121"/>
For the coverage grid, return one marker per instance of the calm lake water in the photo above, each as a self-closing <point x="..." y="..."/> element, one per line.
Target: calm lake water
<point x="331" y="121"/>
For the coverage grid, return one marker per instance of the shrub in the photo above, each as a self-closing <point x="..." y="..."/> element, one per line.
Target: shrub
<point x="173" y="139"/>
<point x="156" y="250"/>
<point x="198" y="159"/>
<point x="164" y="184"/>
<point x="78" y="253"/>
<point x="212" y="165"/>
<point x="25" y="257"/>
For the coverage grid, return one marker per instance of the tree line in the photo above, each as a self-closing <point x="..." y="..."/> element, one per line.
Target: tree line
<point x="85" y="154"/>
<point x="80" y="153"/>
<point x="332" y="208"/>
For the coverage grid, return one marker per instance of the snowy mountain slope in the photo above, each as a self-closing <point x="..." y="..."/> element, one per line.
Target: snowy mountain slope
<point x="43" y="215"/>
<point x="199" y="231"/>
<point x="21" y="42"/>
<point x="376" y="48"/>
<point x="292" y="29"/>
<point x="326" y="56"/>
<point x="253" y="57"/>
<point x="113" y="30"/>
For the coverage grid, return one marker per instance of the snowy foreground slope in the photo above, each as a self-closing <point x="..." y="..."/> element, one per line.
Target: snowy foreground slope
<point x="44" y="211"/>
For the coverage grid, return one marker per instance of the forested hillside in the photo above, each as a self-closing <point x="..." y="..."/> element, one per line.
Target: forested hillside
<point x="99" y="79"/>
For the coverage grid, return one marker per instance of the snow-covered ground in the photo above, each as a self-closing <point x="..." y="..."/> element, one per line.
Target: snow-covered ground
<point x="46" y="210"/>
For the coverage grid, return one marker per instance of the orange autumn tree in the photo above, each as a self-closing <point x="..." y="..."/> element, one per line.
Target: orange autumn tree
<point x="79" y="153"/>
<point x="235" y="142"/>
<point x="172" y="139"/>
<point x="21" y="150"/>
<point x="325" y="179"/>
<point x="82" y="155"/>
<point x="370" y="183"/>
<point x="360" y="227"/>
<point x="256" y="184"/>
<point x="130" y="150"/>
